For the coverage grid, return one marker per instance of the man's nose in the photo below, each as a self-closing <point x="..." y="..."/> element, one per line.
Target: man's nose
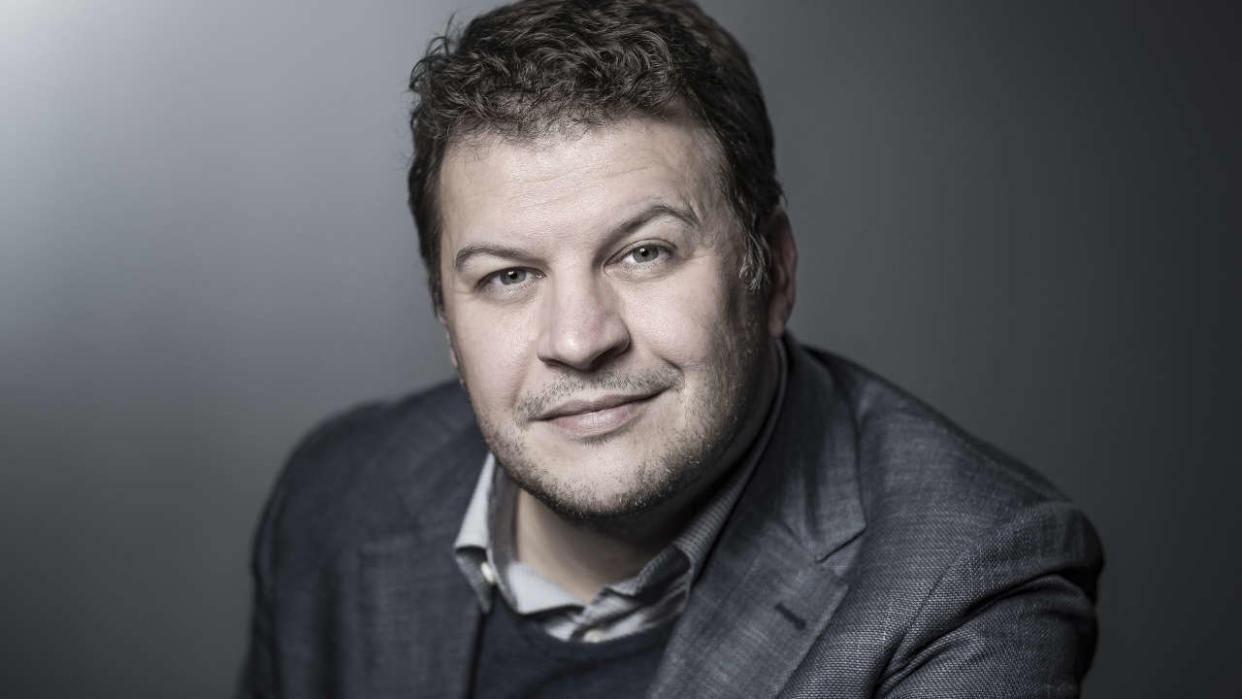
<point x="582" y="326"/>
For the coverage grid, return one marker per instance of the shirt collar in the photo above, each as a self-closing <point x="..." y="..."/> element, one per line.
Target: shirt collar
<point x="472" y="547"/>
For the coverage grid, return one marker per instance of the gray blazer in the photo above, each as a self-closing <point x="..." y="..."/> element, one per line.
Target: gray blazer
<point x="876" y="551"/>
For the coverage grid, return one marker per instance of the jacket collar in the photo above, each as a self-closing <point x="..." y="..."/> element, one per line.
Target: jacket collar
<point x="780" y="568"/>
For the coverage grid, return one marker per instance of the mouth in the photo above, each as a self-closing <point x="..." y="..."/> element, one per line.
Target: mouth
<point x="598" y="416"/>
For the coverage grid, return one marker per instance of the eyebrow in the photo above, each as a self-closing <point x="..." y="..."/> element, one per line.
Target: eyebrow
<point x="684" y="214"/>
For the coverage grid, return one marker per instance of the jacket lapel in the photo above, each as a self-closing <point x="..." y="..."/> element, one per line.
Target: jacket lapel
<point x="419" y="618"/>
<point x="781" y="565"/>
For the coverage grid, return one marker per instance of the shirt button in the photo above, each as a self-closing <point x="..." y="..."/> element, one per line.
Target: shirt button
<point x="489" y="573"/>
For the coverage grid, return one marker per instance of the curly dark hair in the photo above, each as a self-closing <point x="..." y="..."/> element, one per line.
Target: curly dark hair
<point x="523" y="70"/>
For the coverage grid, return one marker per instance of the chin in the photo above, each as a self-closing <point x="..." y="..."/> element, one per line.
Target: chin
<point x="602" y="483"/>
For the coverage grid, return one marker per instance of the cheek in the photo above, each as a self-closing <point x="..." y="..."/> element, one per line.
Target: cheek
<point x="680" y="319"/>
<point x="493" y="356"/>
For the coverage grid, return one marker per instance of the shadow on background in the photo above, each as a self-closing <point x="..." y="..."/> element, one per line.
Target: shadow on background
<point x="1023" y="212"/>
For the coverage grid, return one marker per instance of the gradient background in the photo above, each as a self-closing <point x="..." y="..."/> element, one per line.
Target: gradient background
<point x="1026" y="213"/>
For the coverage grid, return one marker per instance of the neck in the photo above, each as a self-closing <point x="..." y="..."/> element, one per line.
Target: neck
<point x="580" y="558"/>
<point x="584" y="557"/>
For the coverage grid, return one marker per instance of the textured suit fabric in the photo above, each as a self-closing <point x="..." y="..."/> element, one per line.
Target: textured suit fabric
<point x="877" y="550"/>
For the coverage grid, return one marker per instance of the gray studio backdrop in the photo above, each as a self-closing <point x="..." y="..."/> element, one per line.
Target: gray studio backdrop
<point x="1020" y="211"/>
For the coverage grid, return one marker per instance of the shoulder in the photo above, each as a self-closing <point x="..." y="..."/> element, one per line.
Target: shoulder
<point x="938" y="501"/>
<point x="344" y="448"/>
<point x="368" y="471"/>
<point x="367" y="444"/>
<point x="962" y="551"/>
<point x="915" y="463"/>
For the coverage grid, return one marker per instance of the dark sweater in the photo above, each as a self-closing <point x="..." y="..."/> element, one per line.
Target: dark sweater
<point x="516" y="658"/>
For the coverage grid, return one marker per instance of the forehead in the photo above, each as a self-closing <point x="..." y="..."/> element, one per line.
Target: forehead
<point x="574" y="178"/>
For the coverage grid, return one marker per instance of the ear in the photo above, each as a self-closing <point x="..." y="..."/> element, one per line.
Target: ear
<point x="448" y="339"/>
<point x="452" y="352"/>
<point x="784" y="271"/>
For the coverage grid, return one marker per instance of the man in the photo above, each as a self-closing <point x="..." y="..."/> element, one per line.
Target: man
<point x="643" y="485"/>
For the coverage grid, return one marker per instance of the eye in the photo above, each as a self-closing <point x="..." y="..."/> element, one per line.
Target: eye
<point x="511" y="276"/>
<point x="509" y="279"/>
<point x="646" y="253"/>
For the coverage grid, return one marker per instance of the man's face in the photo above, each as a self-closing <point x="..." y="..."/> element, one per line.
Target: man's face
<point x="595" y="310"/>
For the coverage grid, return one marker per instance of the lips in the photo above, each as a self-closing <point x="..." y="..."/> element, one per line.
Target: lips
<point x="578" y="407"/>
<point x="597" y="416"/>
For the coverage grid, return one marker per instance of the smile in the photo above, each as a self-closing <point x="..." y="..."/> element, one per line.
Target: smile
<point x="597" y="417"/>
